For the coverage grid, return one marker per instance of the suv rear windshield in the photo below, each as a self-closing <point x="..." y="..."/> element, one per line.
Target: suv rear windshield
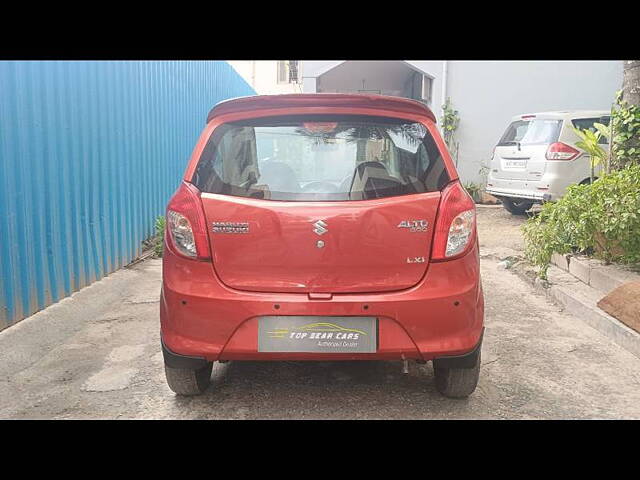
<point x="531" y="132"/>
<point x="320" y="158"/>
<point x="587" y="123"/>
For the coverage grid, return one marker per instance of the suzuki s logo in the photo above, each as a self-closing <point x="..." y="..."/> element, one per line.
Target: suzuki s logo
<point x="320" y="227"/>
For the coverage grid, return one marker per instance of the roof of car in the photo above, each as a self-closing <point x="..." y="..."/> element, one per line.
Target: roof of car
<point x="566" y="114"/>
<point x="382" y="102"/>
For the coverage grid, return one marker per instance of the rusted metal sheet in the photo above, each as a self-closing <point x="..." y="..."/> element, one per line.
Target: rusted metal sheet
<point x="90" y="152"/>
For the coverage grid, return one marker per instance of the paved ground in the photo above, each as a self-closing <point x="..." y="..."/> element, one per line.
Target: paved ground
<point x="96" y="355"/>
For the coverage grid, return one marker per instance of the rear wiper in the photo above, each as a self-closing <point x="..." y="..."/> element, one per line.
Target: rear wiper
<point x="504" y="144"/>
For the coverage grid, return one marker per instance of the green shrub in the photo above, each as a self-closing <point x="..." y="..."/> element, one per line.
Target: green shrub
<point x="159" y="240"/>
<point x="600" y="219"/>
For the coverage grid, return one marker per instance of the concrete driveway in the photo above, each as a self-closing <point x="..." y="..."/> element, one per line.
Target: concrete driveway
<point x="97" y="355"/>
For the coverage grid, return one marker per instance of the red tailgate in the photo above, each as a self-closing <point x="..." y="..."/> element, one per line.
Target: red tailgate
<point x="367" y="246"/>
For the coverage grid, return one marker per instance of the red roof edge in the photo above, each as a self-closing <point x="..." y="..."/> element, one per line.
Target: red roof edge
<point x="381" y="102"/>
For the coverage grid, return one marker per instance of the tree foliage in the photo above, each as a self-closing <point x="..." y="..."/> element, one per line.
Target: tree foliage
<point x="625" y="129"/>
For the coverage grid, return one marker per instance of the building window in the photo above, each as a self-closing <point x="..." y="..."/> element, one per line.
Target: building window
<point x="289" y="71"/>
<point x="426" y="89"/>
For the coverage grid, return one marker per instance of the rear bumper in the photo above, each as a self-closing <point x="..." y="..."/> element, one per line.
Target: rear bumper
<point x="466" y="360"/>
<point x="175" y="360"/>
<point x="441" y="316"/>
<point x="550" y="187"/>
<point x="518" y="189"/>
<point x="509" y="193"/>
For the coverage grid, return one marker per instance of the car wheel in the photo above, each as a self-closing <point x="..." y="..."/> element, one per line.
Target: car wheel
<point x="457" y="382"/>
<point x="516" y="206"/>
<point x="184" y="381"/>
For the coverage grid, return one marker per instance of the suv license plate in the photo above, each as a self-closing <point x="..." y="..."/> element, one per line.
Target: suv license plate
<point x="515" y="163"/>
<point x="315" y="334"/>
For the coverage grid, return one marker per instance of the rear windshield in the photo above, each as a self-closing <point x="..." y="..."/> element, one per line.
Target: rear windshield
<point x="531" y="132"/>
<point x="320" y="158"/>
<point x="587" y="124"/>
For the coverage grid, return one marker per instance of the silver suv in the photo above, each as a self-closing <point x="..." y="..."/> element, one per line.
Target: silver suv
<point x="537" y="159"/>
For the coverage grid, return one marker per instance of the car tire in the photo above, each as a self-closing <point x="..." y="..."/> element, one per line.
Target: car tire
<point x="457" y="382"/>
<point x="186" y="381"/>
<point x="516" y="206"/>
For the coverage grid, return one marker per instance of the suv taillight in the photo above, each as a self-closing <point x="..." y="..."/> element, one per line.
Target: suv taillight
<point x="186" y="225"/>
<point x="561" y="151"/>
<point x="456" y="224"/>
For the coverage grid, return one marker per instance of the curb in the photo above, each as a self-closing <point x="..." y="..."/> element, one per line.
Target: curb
<point x="592" y="315"/>
<point x="580" y="300"/>
<point x="595" y="273"/>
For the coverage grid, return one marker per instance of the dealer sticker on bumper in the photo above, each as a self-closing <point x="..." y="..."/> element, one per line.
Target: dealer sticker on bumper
<point x="317" y="334"/>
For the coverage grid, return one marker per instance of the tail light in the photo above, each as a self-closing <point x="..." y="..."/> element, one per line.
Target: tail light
<point x="456" y="224"/>
<point x="186" y="226"/>
<point x="561" y="151"/>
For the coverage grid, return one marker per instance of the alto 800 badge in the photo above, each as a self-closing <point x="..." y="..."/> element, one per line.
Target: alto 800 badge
<point x="414" y="225"/>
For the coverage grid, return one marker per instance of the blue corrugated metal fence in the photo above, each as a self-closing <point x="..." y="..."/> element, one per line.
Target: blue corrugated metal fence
<point x="89" y="154"/>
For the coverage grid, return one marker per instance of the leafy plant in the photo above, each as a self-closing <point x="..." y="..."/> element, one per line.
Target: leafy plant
<point x="589" y="142"/>
<point x="602" y="218"/>
<point x="158" y="246"/>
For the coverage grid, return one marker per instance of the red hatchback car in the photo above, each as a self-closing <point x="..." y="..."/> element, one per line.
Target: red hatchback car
<point x="321" y="227"/>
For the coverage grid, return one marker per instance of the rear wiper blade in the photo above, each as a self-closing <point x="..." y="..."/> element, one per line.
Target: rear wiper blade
<point x="517" y="144"/>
